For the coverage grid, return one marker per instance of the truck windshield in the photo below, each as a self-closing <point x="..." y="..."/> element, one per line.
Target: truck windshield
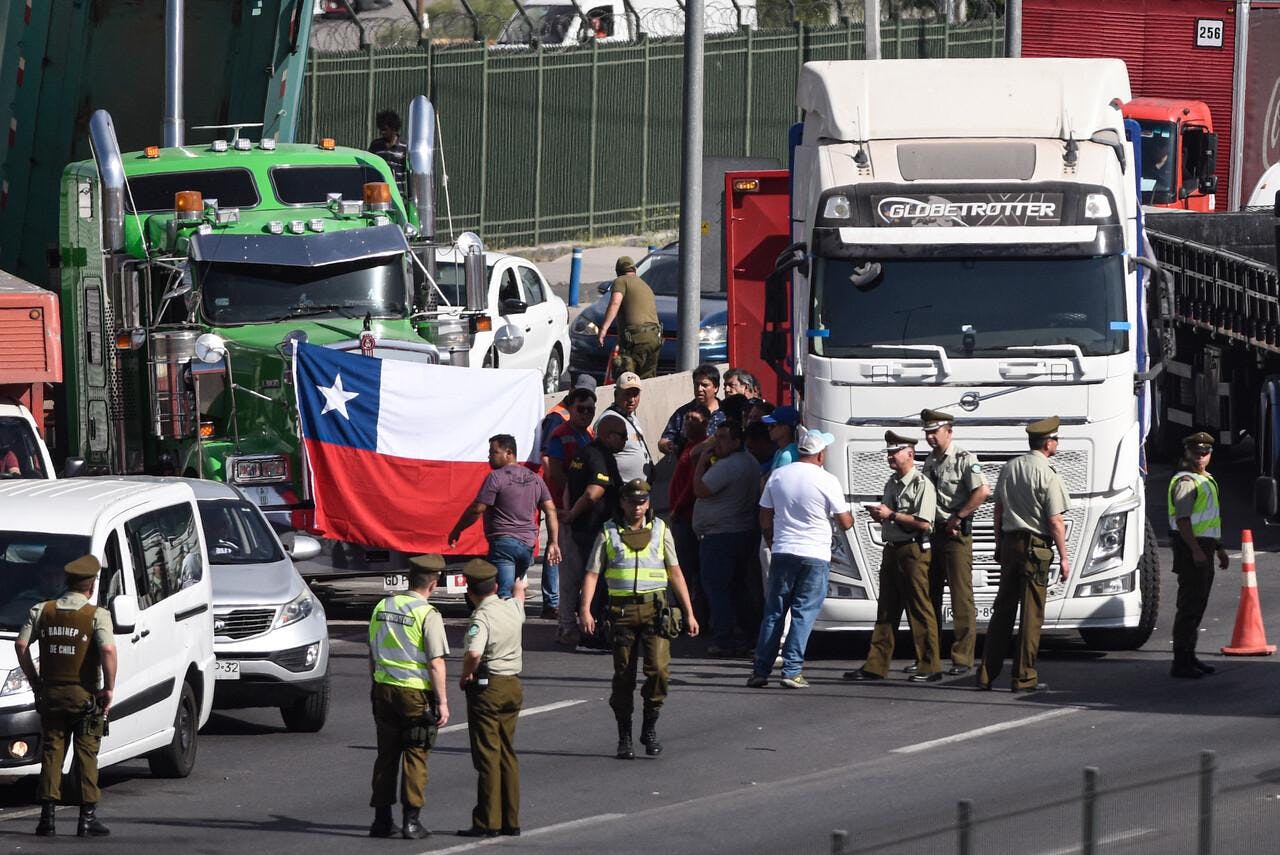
<point x="237" y="534"/>
<point x="31" y="565"/>
<point x="262" y="293"/>
<point x="1158" y="185"/>
<point x="971" y="307"/>
<point x="550" y="25"/>
<point x="20" y="455"/>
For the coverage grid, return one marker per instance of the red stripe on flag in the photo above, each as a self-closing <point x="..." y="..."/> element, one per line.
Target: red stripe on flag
<point x="394" y="502"/>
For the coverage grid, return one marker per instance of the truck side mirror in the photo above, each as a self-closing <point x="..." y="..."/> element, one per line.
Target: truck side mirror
<point x="1209" y="158"/>
<point x="124" y="612"/>
<point x="1208" y="184"/>
<point x="1265" y="500"/>
<point x="73" y="467"/>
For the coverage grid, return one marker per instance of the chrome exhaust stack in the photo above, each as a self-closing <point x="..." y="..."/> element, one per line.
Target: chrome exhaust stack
<point x="422" y="171"/>
<point x="175" y="126"/>
<point x="106" y="154"/>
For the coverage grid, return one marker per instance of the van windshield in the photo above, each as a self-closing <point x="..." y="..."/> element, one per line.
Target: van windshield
<point x="31" y="571"/>
<point x="550" y="25"/>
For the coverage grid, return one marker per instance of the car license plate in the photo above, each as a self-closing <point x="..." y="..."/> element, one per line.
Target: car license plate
<point x="395" y="582"/>
<point x="984" y="614"/>
<point x="223" y="670"/>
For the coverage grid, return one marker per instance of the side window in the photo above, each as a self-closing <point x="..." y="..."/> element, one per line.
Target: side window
<point x="533" y="290"/>
<point x="111" y="579"/>
<point x="166" y="552"/>
<point x="508" y="290"/>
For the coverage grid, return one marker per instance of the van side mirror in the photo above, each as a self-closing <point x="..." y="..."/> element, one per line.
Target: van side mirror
<point x="73" y="467"/>
<point x="124" y="612"/>
<point x="1265" y="500"/>
<point x="302" y="547"/>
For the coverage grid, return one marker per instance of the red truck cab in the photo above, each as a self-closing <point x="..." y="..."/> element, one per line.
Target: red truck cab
<point x="1179" y="152"/>
<point x="30" y="358"/>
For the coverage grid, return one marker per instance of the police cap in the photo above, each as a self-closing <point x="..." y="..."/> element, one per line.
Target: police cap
<point x="624" y="264"/>
<point x="1046" y="428"/>
<point x="479" y="570"/>
<point x="431" y="562"/>
<point x="897" y="442"/>
<point x="1200" y="438"/>
<point x="636" y="488"/>
<point x="84" y="567"/>
<point x="934" y="419"/>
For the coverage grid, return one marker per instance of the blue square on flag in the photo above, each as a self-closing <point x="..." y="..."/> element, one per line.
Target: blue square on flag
<point x="339" y="395"/>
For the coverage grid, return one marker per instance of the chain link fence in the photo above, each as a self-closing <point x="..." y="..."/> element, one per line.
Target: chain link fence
<point x="573" y="143"/>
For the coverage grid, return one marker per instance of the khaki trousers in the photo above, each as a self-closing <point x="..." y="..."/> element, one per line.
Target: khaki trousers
<point x="904" y="585"/>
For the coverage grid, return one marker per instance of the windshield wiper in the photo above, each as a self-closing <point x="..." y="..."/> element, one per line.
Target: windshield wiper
<point x="315" y="309"/>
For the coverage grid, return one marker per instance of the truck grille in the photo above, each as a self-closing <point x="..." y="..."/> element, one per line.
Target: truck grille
<point x="242" y="623"/>
<point x="868" y="472"/>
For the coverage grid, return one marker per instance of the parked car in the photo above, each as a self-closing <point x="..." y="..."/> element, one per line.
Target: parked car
<point x="530" y="323"/>
<point x="661" y="270"/>
<point x="270" y="635"/>
<point x="155" y="581"/>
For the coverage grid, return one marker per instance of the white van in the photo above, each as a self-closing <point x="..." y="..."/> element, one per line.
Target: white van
<point x="155" y="581"/>
<point x="556" y="22"/>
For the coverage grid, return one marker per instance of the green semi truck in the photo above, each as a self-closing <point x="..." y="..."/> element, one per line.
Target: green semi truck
<point x="188" y="272"/>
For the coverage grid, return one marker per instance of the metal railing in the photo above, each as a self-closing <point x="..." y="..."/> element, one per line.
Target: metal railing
<point x="1175" y="812"/>
<point x="546" y="144"/>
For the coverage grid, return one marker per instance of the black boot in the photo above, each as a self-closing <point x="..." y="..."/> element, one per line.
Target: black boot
<point x="412" y="828"/>
<point x="45" y="827"/>
<point x="383" y="824"/>
<point x="625" y="751"/>
<point x="649" y="734"/>
<point x="1200" y="665"/>
<point x="89" y="824"/>
<point x="1183" y="665"/>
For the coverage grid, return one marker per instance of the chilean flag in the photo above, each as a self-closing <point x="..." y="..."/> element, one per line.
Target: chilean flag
<point x="397" y="449"/>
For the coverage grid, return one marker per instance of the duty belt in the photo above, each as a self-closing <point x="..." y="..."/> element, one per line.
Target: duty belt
<point x="635" y="599"/>
<point x="1029" y="536"/>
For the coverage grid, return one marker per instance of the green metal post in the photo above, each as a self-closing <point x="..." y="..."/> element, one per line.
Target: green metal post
<point x="484" y="138"/>
<point x="1089" y="812"/>
<point x="1208" y="760"/>
<point x="644" y="143"/>
<point x="537" y="160"/>
<point x="964" y="827"/>
<point x="369" y="129"/>
<point x="746" y="97"/>
<point x="595" y="103"/>
<point x="315" y="92"/>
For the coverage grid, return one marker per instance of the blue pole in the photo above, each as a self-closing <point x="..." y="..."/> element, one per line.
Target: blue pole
<point x="652" y="249"/>
<point x="575" y="275"/>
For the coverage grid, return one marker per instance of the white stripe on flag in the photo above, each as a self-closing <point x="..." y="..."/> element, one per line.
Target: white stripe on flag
<point x="437" y="412"/>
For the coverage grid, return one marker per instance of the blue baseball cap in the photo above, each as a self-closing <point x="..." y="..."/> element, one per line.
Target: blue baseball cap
<point x="784" y="415"/>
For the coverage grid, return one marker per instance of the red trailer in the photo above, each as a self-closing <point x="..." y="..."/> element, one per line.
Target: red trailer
<point x="1222" y="54"/>
<point x="30" y="345"/>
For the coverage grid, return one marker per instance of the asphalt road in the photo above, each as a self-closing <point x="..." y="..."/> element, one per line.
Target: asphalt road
<point x="763" y="770"/>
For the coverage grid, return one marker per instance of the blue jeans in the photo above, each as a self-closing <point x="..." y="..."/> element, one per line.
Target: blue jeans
<point x="724" y="559"/>
<point x="512" y="557"/>
<point x="550" y="585"/>
<point x="797" y="584"/>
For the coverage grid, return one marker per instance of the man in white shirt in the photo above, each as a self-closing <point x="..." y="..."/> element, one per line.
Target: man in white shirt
<point x="796" y="509"/>
<point x="634" y="461"/>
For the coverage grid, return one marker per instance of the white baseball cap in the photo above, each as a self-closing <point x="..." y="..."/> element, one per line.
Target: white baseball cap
<point x="813" y="441"/>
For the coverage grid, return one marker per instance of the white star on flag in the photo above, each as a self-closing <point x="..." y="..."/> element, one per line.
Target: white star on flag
<point x="335" y="397"/>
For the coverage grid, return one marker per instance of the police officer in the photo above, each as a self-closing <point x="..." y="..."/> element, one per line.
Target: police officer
<point x="1030" y="501"/>
<point x="1195" y="533"/>
<point x="906" y="514"/>
<point x="77" y="641"/>
<point x="406" y="658"/>
<point x="957" y="476"/>
<point x="637" y="555"/>
<point x="641" y="336"/>
<point x="491" y="667"/>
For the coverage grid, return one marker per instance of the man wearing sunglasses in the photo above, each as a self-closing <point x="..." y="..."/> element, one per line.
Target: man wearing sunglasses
<point x="1195" y="533"/>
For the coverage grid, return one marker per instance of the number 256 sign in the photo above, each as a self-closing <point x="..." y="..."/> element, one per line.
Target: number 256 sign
<point x="1208" y="33"/>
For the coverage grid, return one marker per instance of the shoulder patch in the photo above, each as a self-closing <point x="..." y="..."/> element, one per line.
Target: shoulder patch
<point x="473" y="630"/>
<point x="602" y="477"/>
<point x="975" y="467"/>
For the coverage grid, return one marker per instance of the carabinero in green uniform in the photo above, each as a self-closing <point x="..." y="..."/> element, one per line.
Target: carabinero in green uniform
<point x="957" y="476"/>
<point x="637" y="556"/>
<point x="407" y="647"/>
<point x="1031" y="499"/>
<point x="1195" y="534"/>
<point x="640" y="336"/>
<point x="76" y="641"/>
<point x="491" y="665"/>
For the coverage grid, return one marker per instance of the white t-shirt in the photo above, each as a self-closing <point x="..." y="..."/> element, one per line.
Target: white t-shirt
<point x="803" y="497"/>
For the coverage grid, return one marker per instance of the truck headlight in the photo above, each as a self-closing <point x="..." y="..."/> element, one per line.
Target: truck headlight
<point x="299" y="609"/>
<point x="1097" y="206"/>
<point x="715" y="334"/>
<point x="14" y="683"/>
<point x="1108" y="542"/>
<point x="583" y="325"/>
<point x="265" y="469"/>
<point x="1107" y="587"/>
<point x="837" y="207"/>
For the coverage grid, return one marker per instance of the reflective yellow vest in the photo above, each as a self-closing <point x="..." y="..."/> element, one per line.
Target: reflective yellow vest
<point x="628" y="572"/>
<point x="395" y="640"/>
<point x="1206" y="516"/>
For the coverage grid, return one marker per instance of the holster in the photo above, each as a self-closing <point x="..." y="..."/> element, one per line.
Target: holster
<point x="421" y="732"/>
<point x="669" y="622"/>
<point x="1041" y="557"/>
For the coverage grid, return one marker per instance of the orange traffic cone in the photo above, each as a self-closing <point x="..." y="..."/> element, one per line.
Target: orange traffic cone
<point x="1249" y="638"/>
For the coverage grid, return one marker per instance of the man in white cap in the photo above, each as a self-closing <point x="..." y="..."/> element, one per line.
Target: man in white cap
<point x="796" y="509"/>
<point x="634" y="461"/>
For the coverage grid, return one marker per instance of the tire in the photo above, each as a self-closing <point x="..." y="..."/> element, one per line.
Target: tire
<point x="555" y="368"/>
<point x="1149" y="585"/>
<point x="307" y="715"/>
<point x="178" y="758"/>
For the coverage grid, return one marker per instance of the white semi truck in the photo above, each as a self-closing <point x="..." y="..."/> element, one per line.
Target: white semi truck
<point x="968" y="239"/>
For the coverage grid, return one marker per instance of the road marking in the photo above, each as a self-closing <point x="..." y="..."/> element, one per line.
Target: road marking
<point x="546" y="829"/>
<point x="20" y="814"/>
<point x="984" y="731"/>
<point x="1118" y="837"/>
<point x="558" y="705"/>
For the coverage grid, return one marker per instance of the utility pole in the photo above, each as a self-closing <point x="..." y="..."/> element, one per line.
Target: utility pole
<point x="689" y="306"/>
<point x="871" y="28"/>
<point x="1013" y="28"/>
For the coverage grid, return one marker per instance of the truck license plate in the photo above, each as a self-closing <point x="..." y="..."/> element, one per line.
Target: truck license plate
<point x="224" y="670"/>
<point x="395" y="582"/>
<point x="984" y="614"/>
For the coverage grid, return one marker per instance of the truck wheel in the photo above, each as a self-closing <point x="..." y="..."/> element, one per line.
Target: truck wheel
<point x="307" y="715"/>
<point x="1149" y="585"/>
<point x="178" y="758"/>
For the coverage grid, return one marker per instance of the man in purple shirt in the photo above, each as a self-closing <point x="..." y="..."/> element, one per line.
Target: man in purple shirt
<point x="509" y="500"/>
